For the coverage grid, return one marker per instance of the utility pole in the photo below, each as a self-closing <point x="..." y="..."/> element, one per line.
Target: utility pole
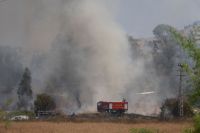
<point x="180" y="91"/>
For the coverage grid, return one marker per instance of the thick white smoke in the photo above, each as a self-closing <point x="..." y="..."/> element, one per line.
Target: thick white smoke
<point x="91" y="54"/>
<point x="78" y="54"/>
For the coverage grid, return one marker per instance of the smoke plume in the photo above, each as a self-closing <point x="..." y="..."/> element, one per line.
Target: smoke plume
<point x="90" y="57"/>
<point x="79" y="55"/>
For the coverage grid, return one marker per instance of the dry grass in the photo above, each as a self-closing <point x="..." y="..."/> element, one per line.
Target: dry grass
<point x="86" y="127"/>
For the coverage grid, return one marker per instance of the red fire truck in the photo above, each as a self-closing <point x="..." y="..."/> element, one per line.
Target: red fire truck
<point x="112" y="107"/>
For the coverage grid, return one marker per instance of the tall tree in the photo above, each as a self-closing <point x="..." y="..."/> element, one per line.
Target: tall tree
<point x="193" y="70"/>
<point x="25" y="92"/>
<point x="166" y="58"/>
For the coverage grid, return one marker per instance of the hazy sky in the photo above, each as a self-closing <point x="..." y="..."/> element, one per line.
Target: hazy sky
<point x="137" y="17"/>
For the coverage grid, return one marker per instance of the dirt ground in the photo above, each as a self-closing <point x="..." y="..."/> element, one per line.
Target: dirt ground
<point x="88" y="127"/>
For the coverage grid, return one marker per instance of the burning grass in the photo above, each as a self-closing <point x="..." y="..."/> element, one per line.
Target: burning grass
<point x="88" y="127"/>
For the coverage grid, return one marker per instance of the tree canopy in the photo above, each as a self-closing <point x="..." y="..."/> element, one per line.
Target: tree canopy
<point x="193" y="70"/>
<point x="44" y="102"/>
<point x="24" y="91"/>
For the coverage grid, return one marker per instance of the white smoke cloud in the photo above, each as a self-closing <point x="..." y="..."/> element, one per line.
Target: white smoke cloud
<point x="87" y="55"/>
<point x="99" y="50"/>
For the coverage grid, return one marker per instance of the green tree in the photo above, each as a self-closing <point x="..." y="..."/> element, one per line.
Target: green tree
<point x="193" y="51"/>
<point x="193" y="70"/>
<point x="44" y="102"/>
<point x="170" y="109"/>
<point x="25" y="92"/>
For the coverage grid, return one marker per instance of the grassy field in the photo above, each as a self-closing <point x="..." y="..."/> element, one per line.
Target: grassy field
<point x="87" y="127"/>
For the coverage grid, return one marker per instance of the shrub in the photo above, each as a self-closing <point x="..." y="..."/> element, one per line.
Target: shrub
<point x="16" y="113"/>
<point x="4" y="118"/>
<point x="170" y="107"/>
<point x="2" y="114"/>
<point x="44" y="102"/>
<point x="197" y="123"/>
<point x="143" y="130"/>
<point x="7" y="124"/>
<point x="196" y="127"/>
<point x="188" y="130"/>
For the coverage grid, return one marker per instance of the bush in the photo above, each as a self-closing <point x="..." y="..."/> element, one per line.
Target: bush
<point x="44" y="102"/>
<point x="2" y="114"/>
<point x="196" y="127"/>
<point x="170" y="107"/>
<point x="197" y="123"/>
<point x="144" y="130"/>
<point x="16" y="113"/>
<point x="188" y="130"/>
<point x="7" y="124"/>
<point x="4" y="118"/>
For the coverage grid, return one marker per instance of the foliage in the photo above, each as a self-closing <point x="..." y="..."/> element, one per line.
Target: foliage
<point x="7" y="124"/>
<point x="162" y="31"/>
<point x="197" y="124"/>
<point x="170" y="106"/>
<point x="196" y="127"/>
<point x="24" y="91"/>
<point x="193" y="51"/>
<point x="16" y="113"/>
<point x="143" y="130"/>
<point x="188" y="130"/>
<point x="2" y="114"/>
<point x="44" y="102"/>
<point x="165" y="57"/>
<point x="4" y="118"/>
